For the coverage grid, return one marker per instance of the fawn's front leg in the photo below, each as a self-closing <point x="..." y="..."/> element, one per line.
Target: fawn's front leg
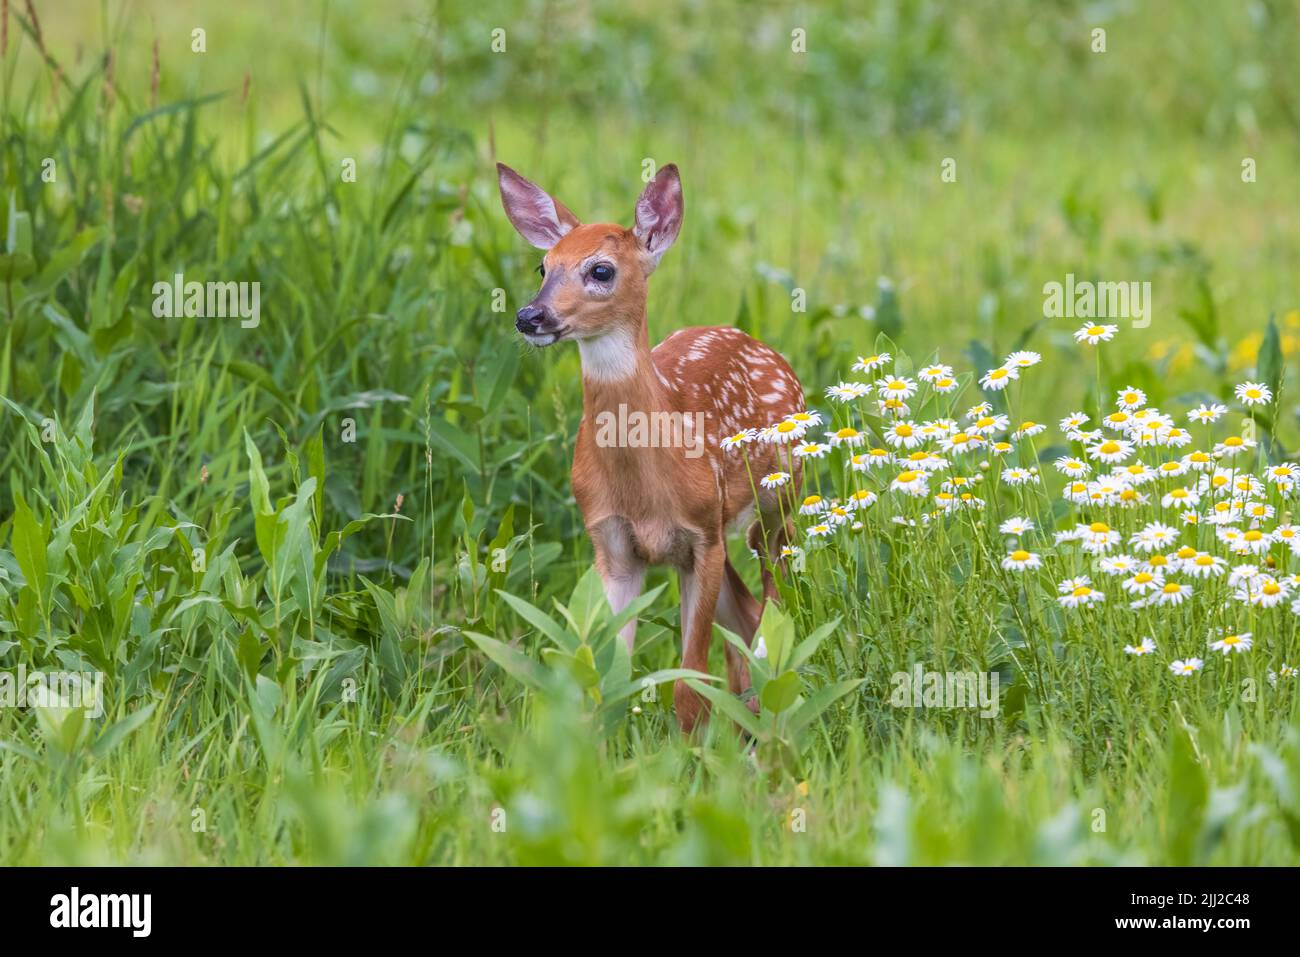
<point x="620" y="570"/>
<point x="700" y="584"/>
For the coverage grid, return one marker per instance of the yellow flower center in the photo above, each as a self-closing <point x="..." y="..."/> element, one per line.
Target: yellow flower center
<point x="1272" y="588"/>
<point x="1143" y="578"/>
<point x="1186" y="552"/>
<point x="1109" y="448"/>
<point x="1253" y="535"/>
<point x="1095" y="330"/>
<point x="908" y="476"/>
<point x="1233" y="441"/>
<point x="1100" y="528"/>
<point x="1020" y="555"/>
<point x="1081" y="591"/>
<point x="1172" y="588"/>
<point x="1204" y="560"/>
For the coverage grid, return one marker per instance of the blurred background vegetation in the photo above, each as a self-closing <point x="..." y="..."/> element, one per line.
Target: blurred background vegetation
<point x="818" y="170"/>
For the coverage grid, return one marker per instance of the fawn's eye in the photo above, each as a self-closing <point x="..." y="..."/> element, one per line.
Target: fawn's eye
<point x="602" y="272"/>
<point x="541" y="270"/>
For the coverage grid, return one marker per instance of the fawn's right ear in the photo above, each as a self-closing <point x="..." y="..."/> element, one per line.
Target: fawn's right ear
<point x="539" y="219"/>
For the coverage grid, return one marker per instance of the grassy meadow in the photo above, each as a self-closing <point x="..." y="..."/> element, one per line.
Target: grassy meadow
<point x="329" y="565"/>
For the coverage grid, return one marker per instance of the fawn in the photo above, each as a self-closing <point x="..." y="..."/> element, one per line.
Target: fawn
<point x="647" y="504"/>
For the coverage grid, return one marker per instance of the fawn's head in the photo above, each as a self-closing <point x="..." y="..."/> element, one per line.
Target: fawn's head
<point x="594" y="275"/>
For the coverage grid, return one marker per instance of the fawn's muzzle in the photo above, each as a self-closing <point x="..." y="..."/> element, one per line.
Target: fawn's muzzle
<point x="529" y="319"/>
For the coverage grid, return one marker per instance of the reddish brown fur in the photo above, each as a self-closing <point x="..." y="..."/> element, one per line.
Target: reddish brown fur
<point x="657" y="505"/>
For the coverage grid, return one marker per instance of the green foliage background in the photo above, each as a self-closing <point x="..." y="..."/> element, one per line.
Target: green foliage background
<point x="332" y="566"/>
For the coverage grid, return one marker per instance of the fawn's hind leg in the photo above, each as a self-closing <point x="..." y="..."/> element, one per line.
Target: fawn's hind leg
<point x="738" y="611"/>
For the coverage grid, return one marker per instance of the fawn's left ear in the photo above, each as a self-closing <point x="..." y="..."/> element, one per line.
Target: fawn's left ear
<point x="659" y="213"/>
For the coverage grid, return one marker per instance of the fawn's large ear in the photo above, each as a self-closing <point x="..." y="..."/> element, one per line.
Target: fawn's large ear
<point x="539" y="219"/>
<point x="659" y="213"/>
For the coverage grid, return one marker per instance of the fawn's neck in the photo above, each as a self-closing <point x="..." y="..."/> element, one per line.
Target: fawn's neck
<point x="617" y="369"/>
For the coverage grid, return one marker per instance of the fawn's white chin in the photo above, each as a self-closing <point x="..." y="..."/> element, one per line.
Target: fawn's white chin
<point x="541" y="340"/>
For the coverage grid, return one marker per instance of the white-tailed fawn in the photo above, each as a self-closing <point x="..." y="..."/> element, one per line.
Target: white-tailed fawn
<point x="654" y="503"/>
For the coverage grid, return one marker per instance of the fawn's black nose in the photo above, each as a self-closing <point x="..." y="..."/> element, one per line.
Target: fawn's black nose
<point x="529" y="318"/>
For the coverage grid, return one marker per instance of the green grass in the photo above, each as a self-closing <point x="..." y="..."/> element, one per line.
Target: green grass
<point x="338" y="677"/>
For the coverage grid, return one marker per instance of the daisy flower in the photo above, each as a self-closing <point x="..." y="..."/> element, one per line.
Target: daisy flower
<point x="1204" y="565"/>
<point x="1027" y="430"/>
<point x="1153" y="535"/>
<point x="1268" y="592"/>
<point x="1078" y="592"/>
<point x="1145" y="647"/>
<point x="848" y="436"/>
<point x="902" y="435"/>
<point x="935" y="372"/>
<point x="872" y="363"/>
<point x="774" y="479"/>
<point x="995" y="380"/>
<point x="988" y="424"/>
<point x="1074" y="421"/>
<point x="743" y="437"/>
<point x="1019" y="476"/>
<point x="1253" y="393"/>
<point x="1097" y="538"/>
<point x="811" y="450"/>
<point x="1111" y="451"/>
<point x="1232" y="445"/>
<point x="1092" y="334"/>
<point x="1172" y="593"/>
<point x="820" y="530"/>
<point x="781" y="433"/>
<point x="1130" y="398"/>
<point x="1207" y="414"/>
<point x="1074" y="468"/>
<point x="1187" y="668"/>
<point x="1142" y="583"/>
<point x="847" y="391"/>
<point x="1180" y="498"/>
<point x="805" y="419"/>
<point x="896" y="387"/>
<point x="812" y="505"/>
<point x="1118" y="564"/>
<point x="944" y="384"/>
<point x="1283" y="671"/>
<point x="1022" y="359"/>
<point x="1020" y="560"/>
<point x="872" y="458"/>
<point x="1118" y="421"/>
<point x="1016" y="526"/>
<point x="911" y="481"/>
<point x="1283" y="475"/>
<point x="962" y="442"/>
<point x="1233" y="642"/>
<point x="862" y="498"/>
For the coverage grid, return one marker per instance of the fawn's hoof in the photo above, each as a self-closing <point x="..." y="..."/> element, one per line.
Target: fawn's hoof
<point x="689" y="705"/>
